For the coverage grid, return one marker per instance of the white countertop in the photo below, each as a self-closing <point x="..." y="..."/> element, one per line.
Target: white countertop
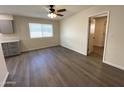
<point x="7" y="41"/>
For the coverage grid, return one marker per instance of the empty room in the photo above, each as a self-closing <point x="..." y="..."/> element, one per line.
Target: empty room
<point x="61" y="46"/>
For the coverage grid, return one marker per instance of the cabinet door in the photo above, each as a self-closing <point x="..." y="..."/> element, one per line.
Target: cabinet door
<point x="6" y="26"/>
<point x="5" y="49"/>
<point x="11" y="48"/>
<point x="14" y="48"/>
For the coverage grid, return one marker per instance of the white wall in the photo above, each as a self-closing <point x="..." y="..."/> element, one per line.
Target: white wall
<point x="74" y="33"/>
<point x="21" y="31"/>
<point x="3" y="68"/>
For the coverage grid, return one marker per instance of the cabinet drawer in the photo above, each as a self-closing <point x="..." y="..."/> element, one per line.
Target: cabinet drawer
<point x="13" y="44"/>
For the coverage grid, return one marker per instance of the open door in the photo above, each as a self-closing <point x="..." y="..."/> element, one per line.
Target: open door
<point x="97" y="34"/>
<point x="91" y="35"/>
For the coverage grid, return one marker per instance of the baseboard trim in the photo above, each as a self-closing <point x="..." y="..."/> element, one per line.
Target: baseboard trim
<point x="114" y="65"/>
<point x="39" y="48"/>
<point x="4" y="81"/>
<point x="74" y="50"/>
<point x="111" y="64"/>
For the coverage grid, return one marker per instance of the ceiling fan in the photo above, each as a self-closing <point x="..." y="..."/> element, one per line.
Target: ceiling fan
<point x="52" y="12"/>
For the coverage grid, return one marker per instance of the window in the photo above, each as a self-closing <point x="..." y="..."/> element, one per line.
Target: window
<point x="40" y="30"/>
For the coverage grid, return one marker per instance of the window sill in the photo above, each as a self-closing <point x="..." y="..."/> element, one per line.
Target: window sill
<point x="42" y="37"/>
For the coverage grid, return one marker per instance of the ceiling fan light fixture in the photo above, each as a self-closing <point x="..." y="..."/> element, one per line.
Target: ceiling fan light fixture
<point x="52" y="15"/>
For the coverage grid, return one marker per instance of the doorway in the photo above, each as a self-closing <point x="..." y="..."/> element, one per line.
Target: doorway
<point x="97" y="36"/>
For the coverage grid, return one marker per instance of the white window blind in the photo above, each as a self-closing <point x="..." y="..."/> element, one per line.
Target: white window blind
<point x="40" y="30"/>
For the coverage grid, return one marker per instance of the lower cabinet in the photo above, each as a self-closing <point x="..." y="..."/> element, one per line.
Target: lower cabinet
<point x="11" y="48"/>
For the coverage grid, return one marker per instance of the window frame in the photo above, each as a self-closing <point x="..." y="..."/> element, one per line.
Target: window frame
<point x="41" y="31"/>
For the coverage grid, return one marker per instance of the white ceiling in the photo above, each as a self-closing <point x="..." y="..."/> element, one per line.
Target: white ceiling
<point x="39" y="10"/>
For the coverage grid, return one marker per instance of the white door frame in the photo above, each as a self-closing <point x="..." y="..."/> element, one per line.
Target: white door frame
<point x="104" y="13"/>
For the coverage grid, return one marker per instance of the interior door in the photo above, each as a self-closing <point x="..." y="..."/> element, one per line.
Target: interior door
<point x="91" y="35"/>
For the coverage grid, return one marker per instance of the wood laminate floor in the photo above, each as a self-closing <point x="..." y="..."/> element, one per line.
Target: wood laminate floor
<point x="98" y="50"/>
<point x="58" y="66"/>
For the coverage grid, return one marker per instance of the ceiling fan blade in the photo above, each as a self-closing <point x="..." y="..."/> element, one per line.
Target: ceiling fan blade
<point x="59" y="15"/>
<point x="61" y="10"/>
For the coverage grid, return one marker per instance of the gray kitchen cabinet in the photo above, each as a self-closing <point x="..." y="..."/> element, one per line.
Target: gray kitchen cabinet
<point x="5" y="49"/>
<point x="6" y="26"/>
<point x="11" y="48"/>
